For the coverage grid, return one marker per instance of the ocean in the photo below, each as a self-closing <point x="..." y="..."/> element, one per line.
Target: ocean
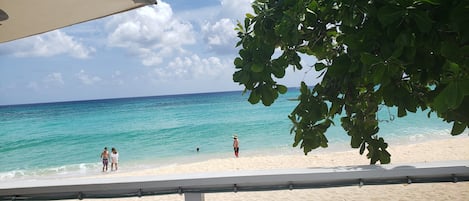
<point x="65" y="139"/>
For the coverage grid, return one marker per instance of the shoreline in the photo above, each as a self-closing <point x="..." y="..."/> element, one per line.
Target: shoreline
<point x="335" y="155"/>
<point x="423" y="152"/>
<point x="429" y="151"/>
<point x="439" y="150"/>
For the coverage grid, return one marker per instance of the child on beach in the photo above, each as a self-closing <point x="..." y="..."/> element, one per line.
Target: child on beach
<point x="114" y="158"/>
<point x="105" y="157"/>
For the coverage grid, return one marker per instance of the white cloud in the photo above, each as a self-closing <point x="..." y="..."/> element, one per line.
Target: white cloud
<point x="86" y="78"/>
<point x="220" y="36"/>
<point x="194" y="67"/>
<point x="54" y="79"/>
<point x="236" y="9"/>
<point x="51" y="80"/>
<point x="47" y="45"/>
<point x="150" y="58"/>
<point x="217" y="24"/>
<point x="152" y="33"/>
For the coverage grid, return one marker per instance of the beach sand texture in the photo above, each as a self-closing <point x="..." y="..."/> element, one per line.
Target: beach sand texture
<point x="440" y="150"/>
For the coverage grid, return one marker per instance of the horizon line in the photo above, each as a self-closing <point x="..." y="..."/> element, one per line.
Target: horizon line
<point x="123" y="97"/>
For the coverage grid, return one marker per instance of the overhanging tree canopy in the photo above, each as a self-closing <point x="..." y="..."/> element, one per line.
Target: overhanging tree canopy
<point x="408" y="54"/>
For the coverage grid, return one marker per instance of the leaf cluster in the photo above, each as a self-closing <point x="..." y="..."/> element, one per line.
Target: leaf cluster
<point x="409" y="54"/>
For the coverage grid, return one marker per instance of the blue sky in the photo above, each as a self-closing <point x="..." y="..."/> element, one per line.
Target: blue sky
<point x="174" y="47"/>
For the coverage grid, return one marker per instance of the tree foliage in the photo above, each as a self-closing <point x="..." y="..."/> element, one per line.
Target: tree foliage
<point x="409" y="54"/>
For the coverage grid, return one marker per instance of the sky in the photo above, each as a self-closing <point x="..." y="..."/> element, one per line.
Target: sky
<point x="174" y="47"/>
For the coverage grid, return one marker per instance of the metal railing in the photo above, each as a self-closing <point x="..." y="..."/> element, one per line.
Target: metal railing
<point x="193" y="186"/>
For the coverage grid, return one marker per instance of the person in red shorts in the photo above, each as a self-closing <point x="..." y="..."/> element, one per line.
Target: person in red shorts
<point x="236" y="145"/>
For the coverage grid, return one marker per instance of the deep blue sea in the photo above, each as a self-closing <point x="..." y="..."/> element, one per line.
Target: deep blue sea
<point x="55" y="140"/>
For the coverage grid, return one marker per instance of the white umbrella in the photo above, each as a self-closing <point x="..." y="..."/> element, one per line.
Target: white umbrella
<point x="22" y="18"/>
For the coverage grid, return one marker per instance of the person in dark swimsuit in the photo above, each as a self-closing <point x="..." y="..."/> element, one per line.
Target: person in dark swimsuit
<point x="105" y="157"/>
<point x="236" y="145"/>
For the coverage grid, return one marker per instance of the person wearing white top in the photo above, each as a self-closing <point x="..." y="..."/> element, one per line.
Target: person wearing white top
<point x="114" y="158"/>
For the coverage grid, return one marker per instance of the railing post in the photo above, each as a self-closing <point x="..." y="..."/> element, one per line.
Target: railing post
<point x="194" y="197"/>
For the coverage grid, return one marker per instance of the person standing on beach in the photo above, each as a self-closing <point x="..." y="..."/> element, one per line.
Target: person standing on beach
<point x="236" y="145"/>
<point x="114" y="158"/>
<point x="105" y="157"/>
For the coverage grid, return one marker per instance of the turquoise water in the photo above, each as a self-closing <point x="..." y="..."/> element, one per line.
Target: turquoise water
<point x="65" y="139"/>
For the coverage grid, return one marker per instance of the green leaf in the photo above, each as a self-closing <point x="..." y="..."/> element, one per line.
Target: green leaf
<point x="401" y="111"/>
<point x="257" y="68"/>
<point x="385" y="157"/>
<point x="458" y="128"/>
<point x="465" y="49"/>
<point x="404" y="39"/>
<point x="355" y="141"/>
<point x="449" y="49"/>
<point x="454" y="96"/>
<point x="282" y="89"/>
<point x="254" y="98"/>
<point x="389" y="14"/>
<point x="304" y="88"/>
<point x="324" y="141"/>
<point x="238" y="62"/>
<point x="249" y="15"/>
<point x="464" y="87"/>
<point x="362" y="148"/>
<point x="439" y="103"/>
<point x="334" y="108"/>
<point x="241" y="77"/>
<point x="397" y="52"/>
<point x="380" y="71"/>
<point x="247" y="23"/>
<point x="305" y="50"/>
<point x="422" y="20"/>
<point x="373" y="153"/>
<point x="277" y="69"/>
<point x="369" y="59"/>
<point x="319" y="66"/>
<point x="239" y="27"/>
<point x="267" y="96"/>
<point x="265" y="51"/>
<point x="313" y="6"/>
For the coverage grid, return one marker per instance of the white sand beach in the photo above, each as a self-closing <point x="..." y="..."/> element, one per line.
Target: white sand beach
<point x="439" y="150"/>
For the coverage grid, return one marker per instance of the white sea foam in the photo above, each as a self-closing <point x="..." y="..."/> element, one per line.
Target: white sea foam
<point x="66" y="171"/>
